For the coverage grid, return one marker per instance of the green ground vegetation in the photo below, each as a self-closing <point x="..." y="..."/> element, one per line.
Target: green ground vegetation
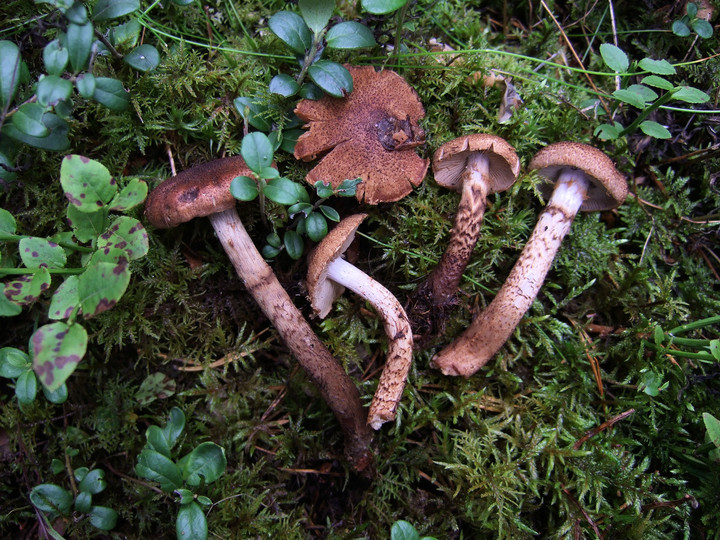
<point x="593" y="421"/>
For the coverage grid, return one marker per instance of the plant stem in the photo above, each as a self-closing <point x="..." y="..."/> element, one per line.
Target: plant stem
<point x="24" y="271"/>
<point x="646" y="112"/>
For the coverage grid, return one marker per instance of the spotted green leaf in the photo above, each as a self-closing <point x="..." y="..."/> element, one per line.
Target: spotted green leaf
<point x="58" y="349"/>
<point x="87" y="183"/>
<point x="133" y="194"/>
<point x="65" y="299"/>
<point x="26" y="289"/>
<point x="87" y="226"/>
<point x="125" y="238"/>
<point x="7" y="308"/>
<point x="36" y="252"/>
<point x="102" y="285"/>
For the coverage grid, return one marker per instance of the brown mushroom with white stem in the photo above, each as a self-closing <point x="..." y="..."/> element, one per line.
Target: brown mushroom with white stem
<point x="328" y="276"/>
<point x="204" y="191"/>
<point x="580" y="178"/>
<point x="475" y="165"/>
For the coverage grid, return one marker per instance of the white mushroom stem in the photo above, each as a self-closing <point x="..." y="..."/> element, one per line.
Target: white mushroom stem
<point x="491" y="328"/>
<point x="397" y="327"/>
<point x="445" y="278"/>
<point x="335" y="385"/>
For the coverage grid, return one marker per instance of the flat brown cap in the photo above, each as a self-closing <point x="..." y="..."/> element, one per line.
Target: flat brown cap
<point x="322" y="292"/>
<point x="370" y="134"/>
<point x="450" y="159"/>
<point x="196" y="192"/>
<point x="608" y="187"/>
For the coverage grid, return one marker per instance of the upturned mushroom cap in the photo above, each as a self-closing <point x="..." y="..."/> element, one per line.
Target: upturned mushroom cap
<point x="608" y="187"/>
<point x="322" y="291"/>
<point x="449" y="161"/>
<point x="196" y="192"/>
<point x="370" y="134"/>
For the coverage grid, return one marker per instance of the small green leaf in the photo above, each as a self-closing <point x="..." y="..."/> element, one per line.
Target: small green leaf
<point x="282" y="191"/>
<point x="645" y="93"/>
<point x="143" y="58"/>
<point x="87" y="183"/>
<point x="712" y="425"/>
<point x="657" y="82"/>
<point x="13" y="362"/>
<point x="25" y="290"/>
<point x="331" y="77"/>
<point x="381" y="7"/>
<point x="133" y="194"/>
<point x="10" y="63"/>
<point x="628" y="96"/>
<point x="607" y="131"/>
<point x="293" y="244"/>
<point x="348" y="187"/>
<point x="156" y="467"/>
<point x="36" y="252"/>
<point x="316" y="226"/>
<point x="55" y="57"/>
<point x="349" y="35"/>
<point x="204" y="464"/>
<point x="254" y="112"/>
<point x="58" y="349"/>
<point x="94" y="482"/>
<point x="28" y="119"/>
<point x="26" y="387"/>
<point x="289" y="139"/>
<point x="330" y="213"/>
<point x="680" y="29"/>
<point x="403" y="530"/>
<point x="126" y="35"/>
<point x="52" y="499"/>
<point x="244" y="188"/>
<point x="102" y="285"/>
<point x="8" y="225"/>
<point x="658" y="67"/>
<point x="654" y="129"/>
<point x="64" y="300"/>
<point x="78" y="40"/>
<point x="175" y="425"/>
<point x="155" y="386"/>
<point x="688" y="94"/>
<point x="185" y="495"/>
<point x="57" y="396"/>
<point x="86" y="226"/>
<point x="156" y="441"/>
<point x="125" y="238"/>
<point x="691" y="9"/>
<point x="85" y="84"/>
<point x="7" y="308"/>
<point x="316" y="13"/>
<point x="658" y="335"/>
<point x="324" y="189"/>
<point x="52" y="89"/>
<point x="110" y="92"/>
<point x="284" y="85"/>
<point x="112" y="9"/>
<point x="83" y="502"/>
<point x="614" y="57"/>
<point x="270" y="252"/>
<point x="204" y="501"/>
<point x="292" y="30"/>
<point x="257" y="151"/>
<point x="55" y="141"/>
<point x="274" y="240"/>
<point x="268" y="173"/>
<point x="300" y="208"/>
<point x="310" y="91"/>
<point x="702" y="28"/>
<point x="650" y="383"/>
<point x="715" y="349"/>
<point x="191" y="523"/>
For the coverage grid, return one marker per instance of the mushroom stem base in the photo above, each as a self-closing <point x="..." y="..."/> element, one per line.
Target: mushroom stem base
<point x="326" y="373"/>
<point x="491" y="328"/>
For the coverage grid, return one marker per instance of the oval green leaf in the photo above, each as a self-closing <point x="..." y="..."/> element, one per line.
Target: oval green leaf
<point x="349" y="35"/>
<point x="316" y="13"/>
<point x="93" y="482"/>
<point x="112" y="9"/>
<point x="282" y="191"/>
<point x="204" y="464"/>
<point x="658" y="67"/>
<point x="85" y="84"/>
<point x="10" y="62"/>
<point x="143" y="58"/>
<point x="26" y="387"/>
<point x="133" y="194"/>
<point x="55" y="141"/>
<point x="191" y="523"/>
<point x="257" y="151"/>
<point x="26" y="289"/>
<point x="64" y="300"/>
<point x="102" y="285"/>
<point x="125" y="238"/>
<point x="103" y="518"/>
<point x="657" y="82"/>
<point x="254" y="112"/>
<point x="154" y="466"/>
<point x="688" y="94"/>
<point x="330" y="213"/>
<point x="28" y="119"/>
<point x="13" y="362"/>
<point x="614" y="57"/>
<point x="284" y="85"/>
<point x="316" y="226"/>
<point x="51" y="498"/>
<point x="243" y="188"/>
<point x="110" y="92"/>
<point x="55" y="57"/>
<point x="58" y="349"/>
<point x="292" y="30"/>
<point x="52" y="89"/>
<point x="87" y="183"/>
<point x="57" y="396"/>
<point x="36" y="252"/>
<point x="702" y="28"/>
<point x="654" y="129"/>
<point x="381" y="7"/>
<point x="331" y="77"/>
<point x="79" y="39"/>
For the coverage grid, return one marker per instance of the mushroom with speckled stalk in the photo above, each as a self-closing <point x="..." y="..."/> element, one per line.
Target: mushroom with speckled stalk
<point x="370" y="134"/>
<point x="328" y="276"/>
<point x="578" y="178"/>
<point x="476" y="165"/>
<point x="204" y="190"/>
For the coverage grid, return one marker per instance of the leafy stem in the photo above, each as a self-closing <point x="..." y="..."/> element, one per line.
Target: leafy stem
<point x="662" y="100"/>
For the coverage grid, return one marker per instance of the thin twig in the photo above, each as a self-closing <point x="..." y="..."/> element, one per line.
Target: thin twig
<point x="609" y="423"/>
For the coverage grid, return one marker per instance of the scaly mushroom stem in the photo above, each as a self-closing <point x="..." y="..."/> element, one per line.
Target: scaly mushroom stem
<point x="326" y="373"/>
<point x="444" y="280"/>
<point x="489" y="331"/>
<point x="397" y="327"/>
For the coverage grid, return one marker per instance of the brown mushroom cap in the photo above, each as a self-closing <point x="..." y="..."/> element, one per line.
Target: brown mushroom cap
<point x="196" y="192"/>
<point x="449" y="161"/>
<point x="370" y="134"/>
<point x="322" y="291"/>
<point x="608" y="187"/>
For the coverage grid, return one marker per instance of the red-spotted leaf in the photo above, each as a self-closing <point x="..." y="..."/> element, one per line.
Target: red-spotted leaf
<point x="65" y="299"/>
<point x="131" y="195"/>
<point x="58" y="349"/>
<point x="36" y="252"/>
<point x="102" y="285"/>
<point x="87" y="183"/>
<point x="26" y="289"/>
<point x="126" y="238"/>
